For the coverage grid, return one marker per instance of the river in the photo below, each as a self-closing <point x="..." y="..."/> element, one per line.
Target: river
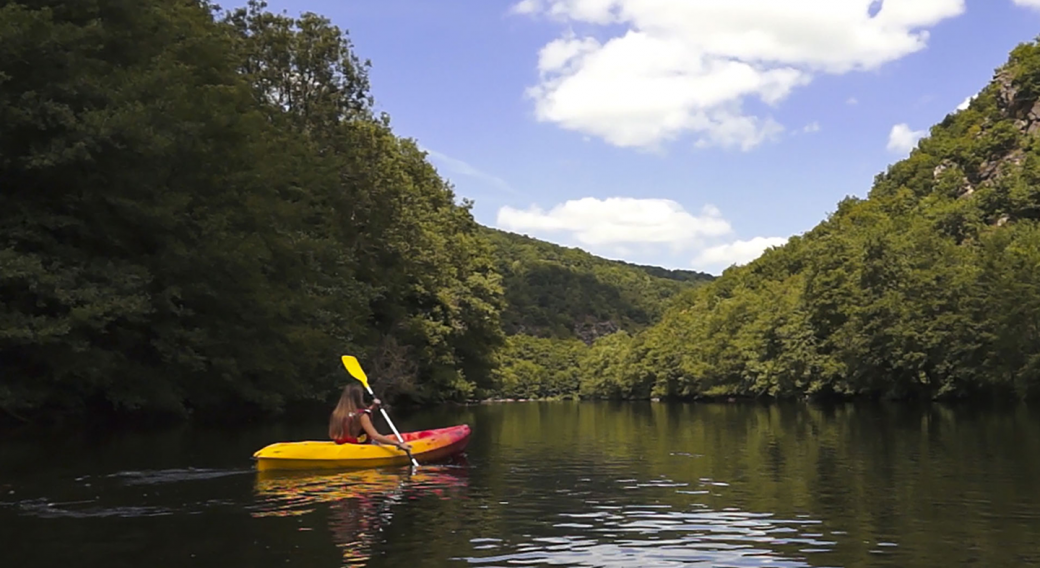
<point x="549" y="484"/>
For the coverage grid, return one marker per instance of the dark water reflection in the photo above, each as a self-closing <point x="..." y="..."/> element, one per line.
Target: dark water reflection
<point x="360" y="503"/>
<point x="551" y="484"/>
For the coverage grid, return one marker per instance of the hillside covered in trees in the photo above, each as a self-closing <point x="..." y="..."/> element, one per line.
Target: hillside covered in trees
<point x="929" y="288"/>
<point x="555" y="291"/>
<point x="558" y="301"/>
<point x="200" y="211"/>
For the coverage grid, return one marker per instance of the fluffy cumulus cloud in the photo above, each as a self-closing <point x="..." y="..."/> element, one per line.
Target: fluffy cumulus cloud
<point x="901" y="139"/>
<point x="619" y="221"/>
<point x="630" y="228"/>
<point x="1028" y="3"/>
<point x="738" y="252"/>
<point x="680" y="66"/>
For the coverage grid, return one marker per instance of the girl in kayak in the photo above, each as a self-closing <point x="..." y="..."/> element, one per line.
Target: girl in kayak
<point x="351" y="421"/>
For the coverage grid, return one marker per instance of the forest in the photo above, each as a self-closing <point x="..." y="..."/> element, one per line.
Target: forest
<point x="200" y="210"/>
<point x="929" y="288"/>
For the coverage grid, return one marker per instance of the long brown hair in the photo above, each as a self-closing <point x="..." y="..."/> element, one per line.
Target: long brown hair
<point x="352" y="400"/>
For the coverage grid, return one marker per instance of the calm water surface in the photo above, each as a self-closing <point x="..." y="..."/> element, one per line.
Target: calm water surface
<point x="550" y="484"/>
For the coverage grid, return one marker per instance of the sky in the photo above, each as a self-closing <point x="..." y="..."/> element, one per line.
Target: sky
<point x="688" y="134"/>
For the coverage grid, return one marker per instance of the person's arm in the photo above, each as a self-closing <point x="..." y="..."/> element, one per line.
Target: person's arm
<point x="373" y="434"/>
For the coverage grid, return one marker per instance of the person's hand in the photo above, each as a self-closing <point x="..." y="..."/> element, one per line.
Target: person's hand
<point x="404" y="447"/>
<point x="376" y="402"/>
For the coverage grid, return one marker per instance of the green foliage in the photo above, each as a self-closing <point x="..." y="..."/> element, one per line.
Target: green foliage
<point x="605" y="369"/>
<point x="563" y="307"/>
<point x="925" y="290"/>
<point x="554" y="291"/>
<point x="201" y="213"/>
<point x="538" y="368"/>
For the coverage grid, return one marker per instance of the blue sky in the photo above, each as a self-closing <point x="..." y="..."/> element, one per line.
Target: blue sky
<point x="680" y="133"/>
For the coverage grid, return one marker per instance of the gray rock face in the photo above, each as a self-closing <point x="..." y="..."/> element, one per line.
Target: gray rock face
<point x="590" y="329"/>
<point x="1026" y="115"/>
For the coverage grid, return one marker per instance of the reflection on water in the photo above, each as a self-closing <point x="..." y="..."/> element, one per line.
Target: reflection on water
<point x="552" y="484"/>
<point x="606" y="519"/>
<point x="649" y="535"/>
<point x="360" y="503"/>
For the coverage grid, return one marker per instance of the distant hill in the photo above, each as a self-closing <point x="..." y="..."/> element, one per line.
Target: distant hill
<point x="562" y="292"/>
<point x="673" y="274"/>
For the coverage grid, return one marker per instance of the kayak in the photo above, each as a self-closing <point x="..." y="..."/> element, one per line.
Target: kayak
<point x="427" y="445"/>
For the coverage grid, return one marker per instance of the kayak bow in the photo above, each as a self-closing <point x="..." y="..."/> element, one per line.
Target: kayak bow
<point x="427" y="445"/>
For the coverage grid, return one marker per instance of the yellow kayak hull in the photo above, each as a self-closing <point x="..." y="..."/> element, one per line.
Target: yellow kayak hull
<point x="427" y="445"/>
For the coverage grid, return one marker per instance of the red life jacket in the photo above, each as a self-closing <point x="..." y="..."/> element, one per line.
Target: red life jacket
<point x="361" y="438"/>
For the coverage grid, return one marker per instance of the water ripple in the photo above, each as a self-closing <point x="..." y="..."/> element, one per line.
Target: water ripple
<point x="606" y="534"/>
<point x="163" y="476"/>
<point x="75" y="509"/>
<point x="123" y="494"/>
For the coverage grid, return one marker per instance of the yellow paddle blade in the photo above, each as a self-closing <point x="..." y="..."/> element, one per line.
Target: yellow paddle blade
<point x="354" y="368"/>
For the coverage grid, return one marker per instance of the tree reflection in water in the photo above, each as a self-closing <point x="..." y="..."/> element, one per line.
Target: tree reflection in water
<point x="360" y="502"/>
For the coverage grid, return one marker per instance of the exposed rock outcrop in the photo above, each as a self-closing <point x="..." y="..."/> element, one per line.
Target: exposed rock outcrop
<point x="590" y="330"/>
<point x="1025" y="112"/>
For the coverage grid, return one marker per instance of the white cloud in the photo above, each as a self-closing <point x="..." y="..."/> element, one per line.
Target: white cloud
<point x="526" y="7"/>
<point x="635" y="229"/>
<point x="619" y="220"/>
<point x="813" y="126"/>
<point x="902" y="140"/>
<point x="737" y="252"/>
<point x="1028" y="3"/>
<point x="852" y="101"/>
<point x="462" y="168"/>
<point x="684" y="66"/>
<point x="560" y="54"/>
<point x="967" y="101"/>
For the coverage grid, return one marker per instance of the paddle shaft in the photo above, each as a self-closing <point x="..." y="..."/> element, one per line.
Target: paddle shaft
<point x="392" y="427"/>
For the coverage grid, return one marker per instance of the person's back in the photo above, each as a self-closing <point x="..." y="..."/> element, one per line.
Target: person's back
<point x="351" y="421"/>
